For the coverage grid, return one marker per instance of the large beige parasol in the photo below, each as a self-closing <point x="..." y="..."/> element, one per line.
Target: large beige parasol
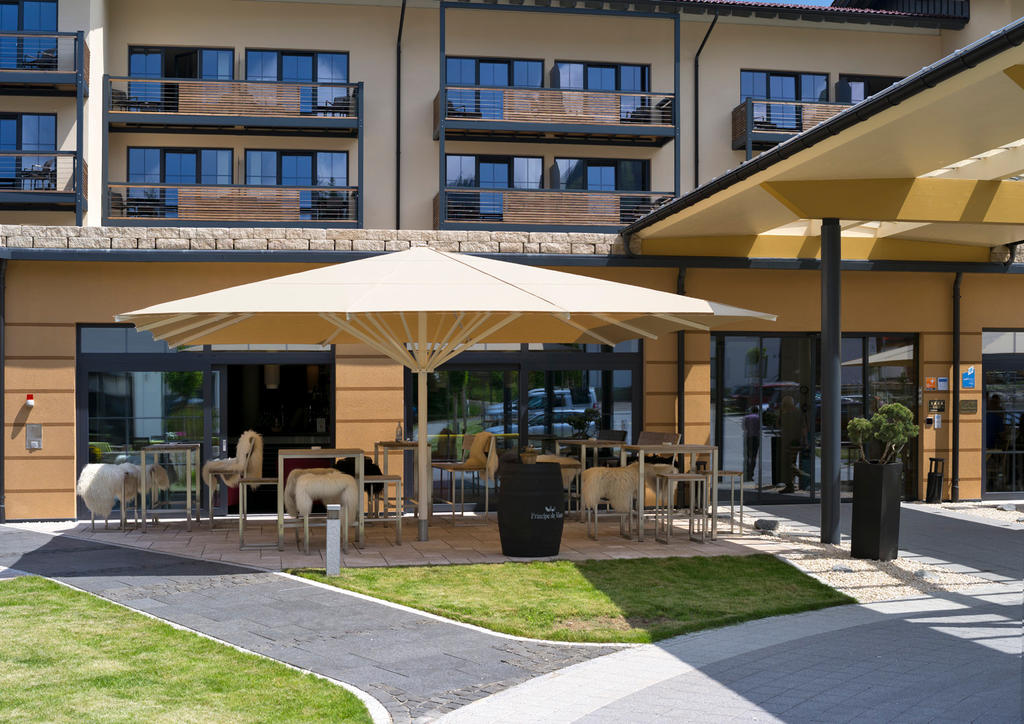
<point x="422" y="307"/>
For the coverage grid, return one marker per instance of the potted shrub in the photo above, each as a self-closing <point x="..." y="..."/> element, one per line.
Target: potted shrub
<point x="876" y="483"/>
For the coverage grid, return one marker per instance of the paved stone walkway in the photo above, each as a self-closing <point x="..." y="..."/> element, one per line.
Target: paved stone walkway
<point x="417" y="667"/>
<point x="953" y="658"/>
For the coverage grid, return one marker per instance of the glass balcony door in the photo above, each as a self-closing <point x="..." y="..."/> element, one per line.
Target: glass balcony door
<point x="1003" y="432"/>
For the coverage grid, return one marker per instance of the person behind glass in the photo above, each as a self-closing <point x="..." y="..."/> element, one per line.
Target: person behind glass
<point x="994" y="423"/>
<point x="792" y="429"/>
<point x="751" y="441"/>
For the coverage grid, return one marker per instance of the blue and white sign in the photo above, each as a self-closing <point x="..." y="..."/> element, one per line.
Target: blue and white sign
<point x="968" y="379"/>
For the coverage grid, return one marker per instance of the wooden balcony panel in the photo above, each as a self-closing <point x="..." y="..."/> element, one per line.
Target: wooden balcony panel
<point x="551" y="208"/>
<point x="781" y="119"/>
<point x="233" y="203"/>
<point x="554" y="106"/>
<point x="232" y="98"/>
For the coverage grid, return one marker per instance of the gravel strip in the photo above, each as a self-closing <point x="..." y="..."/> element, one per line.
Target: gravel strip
<point x="864" y="580"/>
<point x="986" y="510"/>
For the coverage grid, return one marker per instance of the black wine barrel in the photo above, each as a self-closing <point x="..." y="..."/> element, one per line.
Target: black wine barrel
<point x="532" y="509"/>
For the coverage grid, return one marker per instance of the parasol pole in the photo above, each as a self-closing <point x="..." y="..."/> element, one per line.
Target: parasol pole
<point x="425" y="493"/>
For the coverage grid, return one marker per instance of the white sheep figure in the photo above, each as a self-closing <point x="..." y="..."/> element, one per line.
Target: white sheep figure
<point x="304" y="486"/>
<point x="618" y="487"/>
<point x="101" y="484"/>
<point x="570" y="467"/>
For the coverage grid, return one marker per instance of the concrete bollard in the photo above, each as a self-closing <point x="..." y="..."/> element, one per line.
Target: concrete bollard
<point x="333" y="557"/>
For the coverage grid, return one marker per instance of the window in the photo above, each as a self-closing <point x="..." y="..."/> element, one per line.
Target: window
<point x="504" y="172"/>
<point x="494" y="72"/>
<point x="487" y="172"/>
<point x="601" y="76"/>
<point x="304" y="169"/>
<point x="296" y="168"/>
<point x="855" y="88"/>
<point x="793" y="88"/>
<point x="601" y="174"/>
<point x="783" y="86"/>
<point x="28" y="132"/>
<point x="38" y="16"/>
<point x="296" y="66"/>
<point x="174" y="62"/>
<point x="174" y="167"/>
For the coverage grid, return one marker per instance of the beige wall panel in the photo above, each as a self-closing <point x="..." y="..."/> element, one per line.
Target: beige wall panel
<point x="373" y="372"/>
<point x="35" y="375"/>
<point x="936" y="348"/>
<point x="50" y="407"/>
<point x="40" y="504"/>
<point x="39" y="472"/>
<point x="95" y="291"/>
<point x="58" y="440"/>
<point x="364" y="434"/>
<point x="660" y="378"/>
<point x="40" y="341"/>
<point x="697" y="346"/>
<point x="985" y="302"/>
<point x="698" y="377"/>
<point x="420" y="85"/>
<point x="369" y="405"/>
<point x="659" y="410"/>
<point x="38" y="218"/>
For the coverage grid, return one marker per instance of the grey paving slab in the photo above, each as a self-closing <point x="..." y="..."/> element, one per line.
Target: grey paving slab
<point x="416" y="666"/>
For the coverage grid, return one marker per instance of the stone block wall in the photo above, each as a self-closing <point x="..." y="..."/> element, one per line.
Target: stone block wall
<point x="293" y="239"/>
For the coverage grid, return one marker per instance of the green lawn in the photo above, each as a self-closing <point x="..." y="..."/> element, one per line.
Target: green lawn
<point x="632" y="600"/>
<point x="68" y="656"/>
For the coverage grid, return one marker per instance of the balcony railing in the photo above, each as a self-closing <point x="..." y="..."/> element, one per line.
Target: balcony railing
<point x="253" y="205"/>
<point x="232" y="99"/>
<point x="543" y="207"/>
<point x="518" y="111"/>
<point x="760" y="123"/>
<point x="42" y="53"/>
<point x="42" y="173"/>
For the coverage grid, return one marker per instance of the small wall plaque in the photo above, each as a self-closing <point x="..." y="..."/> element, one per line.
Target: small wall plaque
<point x="33" y="437"/>
<point x="936" y="405"/>
<point x="968" y="407"/>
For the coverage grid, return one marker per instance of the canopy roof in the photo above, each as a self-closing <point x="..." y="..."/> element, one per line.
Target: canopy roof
<point x="935" y="158"/>
<point x="459" y="300"/>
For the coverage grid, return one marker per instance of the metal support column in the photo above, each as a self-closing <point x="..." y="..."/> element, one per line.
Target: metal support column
<point x="442" y="173"/>
<point x="831" y="359"/>
<point x="954" y="476"/>
<point x="80" y="86"/>
<point x="361" y="191"/>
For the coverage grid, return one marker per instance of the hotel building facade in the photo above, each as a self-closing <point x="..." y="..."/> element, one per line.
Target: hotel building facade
<point x="150" y="151"/>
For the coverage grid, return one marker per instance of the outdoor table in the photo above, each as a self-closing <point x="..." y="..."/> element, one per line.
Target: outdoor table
<point x="389" y="446"/>
<point x="668" y="449"/>
<point x="585" y="444"/>
<point x="283" y="455"/>
<point x="191" y="451"/>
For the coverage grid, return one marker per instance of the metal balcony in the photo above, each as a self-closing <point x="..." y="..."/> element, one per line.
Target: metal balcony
<point x="41" y="180"/>
<point x="254" y="206"/>
<point x="566" y="116"/>
<point x="548" y="209"/>
<point x="757" y="125"/>
<point x="32" y="62"/>
<point x="217" y="105"/>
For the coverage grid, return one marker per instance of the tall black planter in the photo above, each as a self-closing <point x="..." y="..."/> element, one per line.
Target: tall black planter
<point x="876" y="511"/>
<point x="532" y="509"/>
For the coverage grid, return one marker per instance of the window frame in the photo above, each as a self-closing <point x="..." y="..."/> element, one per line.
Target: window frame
<point x="314" y="54"/>
<point x="796" y="75"/>
<point x="198" y="150"/>
<point x="163" y="50"/>
<point x="296" y="152"/>
<point x="492" y="158"/>
<point x="509" y="62"/>
<point x="645" y="68"/>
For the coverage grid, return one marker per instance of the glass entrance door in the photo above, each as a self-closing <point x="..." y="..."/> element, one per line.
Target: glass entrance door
<point x="1003" y="432"/>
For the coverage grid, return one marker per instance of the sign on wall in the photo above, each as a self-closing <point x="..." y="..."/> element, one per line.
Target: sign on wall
<point x="968" y="379"/>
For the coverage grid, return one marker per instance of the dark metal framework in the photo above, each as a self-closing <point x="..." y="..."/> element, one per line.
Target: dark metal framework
<point x="56" y="83"/>
<point x="206" y="361"/>
<point x="664" y="11"/>
<point x="233" y="125"/>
